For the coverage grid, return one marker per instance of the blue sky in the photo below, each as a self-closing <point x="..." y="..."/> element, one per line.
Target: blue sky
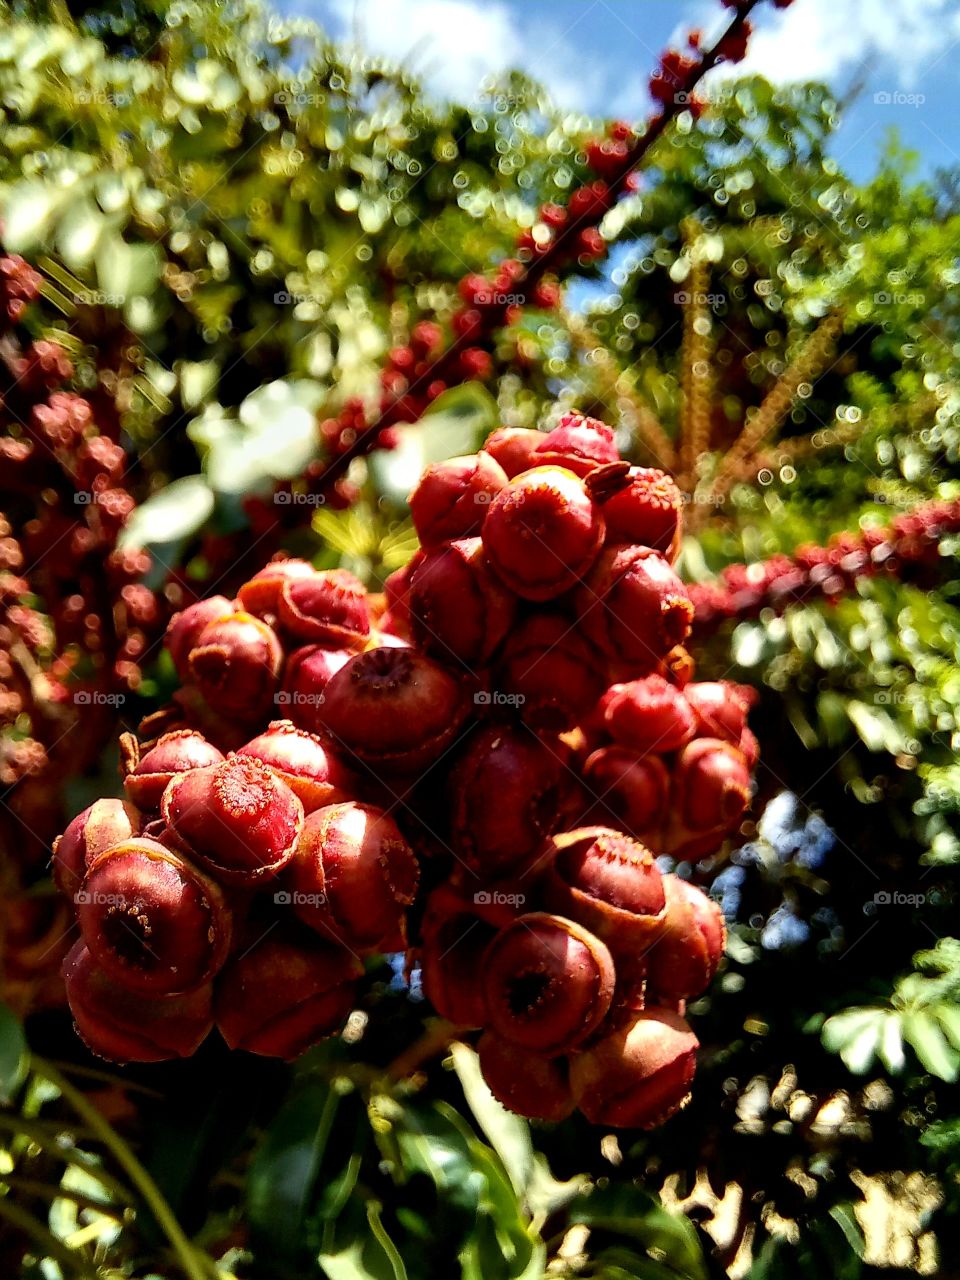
<point x="596" y="55"/>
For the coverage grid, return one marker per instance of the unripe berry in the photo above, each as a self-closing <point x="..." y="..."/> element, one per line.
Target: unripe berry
<point x="647" y="715"/>
<point x="325" y="608"/>
<point x="547" y="982"/>
<point x="578" y="443"/>
<point x="152" y="922"/>
<point x="354" y="876"/>
<point x="101" y="825"/>
<point x="261" y="593"/>
<point x="513" y="448"/>
<point x="611" y="885"/>
<point x="556" y="675"/>
<point x="307" y="674"/>
<point x="639" y="1075"/>
<point x="236" y="662"/>
<point x="628" y="793"/>
<point x="689" y="951"/>
<point x="459" y="610"/>
<point x="633" y="606"/>
<point x="452" y="498"/>
<point x="184" y="629"/>
<point x="285" y="994"/>
<point x="302" y="761"/>
<point x="711" y="792"/>
<point x="531" y="1086"/>
<point x="392" y="709"/>
<point x="506" y="790"/>
<point x="648" y="510"/>
<point x="146" y="776"/>
<point x="237" y="818"/>
<point x="543" y="532"/>
<point x="128" y="1026"/>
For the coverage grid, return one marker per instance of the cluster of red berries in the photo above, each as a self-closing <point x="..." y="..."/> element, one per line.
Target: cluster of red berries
<point x="910" y="541"/>
<point x="512" y="724"/>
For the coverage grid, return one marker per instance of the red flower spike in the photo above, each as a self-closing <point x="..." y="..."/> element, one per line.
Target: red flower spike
<point x="329" y="608"/>
<point x="101" y="825"/>
<point x="578" y="443"/>
<point x="301" y="760"/>
<point x="530" y="1086"/>
<point x="686" y="958"/>
<point x="633" y="606"/>
<point x="235" y="663"/>
<point x="548" y="983"/>
<point x="452" y="498"/>
<point x="459" y="611"/>
<point x="146" y="776"/>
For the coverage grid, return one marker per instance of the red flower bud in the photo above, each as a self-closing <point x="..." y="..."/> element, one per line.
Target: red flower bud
<point x="648" y="510"/>
<point x="392" y="709"/>
<point x="548" y="983"/>
<point x="237" y="818"/>
<point x="128" y="1026"/>
<point x="261" y="593"/>
<point x="146" y="776"/>
<point x="302" y="761"/>
<point x="535" y="1087"/>
<point x="711" y="792"/>
<point x="506" y="790"/>
<point x="578" y="443"/>
<point x="236" y="662"/>
<point x="354" y="876"/>
<point x="101" y="825"/>
<point x="556" y="675"/>
<point x="628" y="793"/>
<point x="459" y="611"/>
<point x="639" y="1075"/>
<point x="513" y="448"/>
<point x="306" y="676"/>
<point x="283" y="995"/>
<point x="633" y="605"/>
<point x="452" y="498"/>
<point x="184" y="629"/>
<point x="648" y="715"/>
<point x="326" y="608"/>
<point x="690" y="949"/>
<point x="152" y="922"/>
<point x="543" y="532"/>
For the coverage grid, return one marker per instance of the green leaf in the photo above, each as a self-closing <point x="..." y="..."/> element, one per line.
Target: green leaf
<point x="14" y="1056"/>
<point x="922" y="1032"/>
<point x="126" y="271"/>
<point x="364" y="1250"/>
<point x="621" y="1209"/>
<point x="508" y="1134"/>
<point x="174" y="512"/>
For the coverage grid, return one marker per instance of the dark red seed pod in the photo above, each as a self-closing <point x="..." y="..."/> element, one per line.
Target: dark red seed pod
<point x="236" y="662"/>
<point x="301" y="760"/>
<point x="393" y="709"/>
<point x="152" y="922"/>
<point x="459" y="609"/>
<point x="261" y="593"/>
<point x="237" y="818"/>
<point x="543" y="532"/>
<point x="514" y="448"/>
<point x="638" y="1075"/>
<point x="628" y="792"/>
<point x="353" y="877"/>
<point x="128" y="1026"/>
<point x="611" y="884"/>
<point x="648" y="510"/>
<point x="146" y="776"/>
<point x="538" y="1088"/>
<point x="306" y="676"/>
<point x="648" y="715"/>
<point x="452" y="498"/>
<point x="633" y="606"/>
<point x="578" y="443"/>
<point x="711" y="791"/>
<point x="720" y="709"/>
<point x="548" y="983"/>
<point x="553" y="672"/>
<point x="184" y="629"/>
<point x="285" y="994"/>
<point x="506" y="790"/>
<point x="689" y="951"/>
<point x="326" y="608"/>
<point x="102" y="824"/>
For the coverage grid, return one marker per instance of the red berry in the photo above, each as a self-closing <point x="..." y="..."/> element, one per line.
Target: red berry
<point x="184" y="629"/>
<point x="589" y="202"/>
<point x="633" y="605"/>
<point x="554" y="674"/>
<point x="720" y="709"/>
<point x="393" y="709"/>
<point x="146" y="776"/>
<point x="685" y="959"/>
<point x="237" y="818"/>
<point x="326" y="608"/>
<point x="128" y="1026"/>
<point x="546" y="294"/>
<point x="531" y="1086"/>
<point x="513" y="448"/>
<point x="476" y="291"/>
<point x="467" y="323"/>
<point x="301" y="761"/>
<point x="452" y="498"/>
<point x="454" y="939"/>
<point x="459" y="611"/>
<point x="578" y="443"/>
<point x="648" y="510"/>
<point x="354" y="876"/>
<point x="236" y="662"/>
<point x="426" y="337"/>
<point x="711" y="793"/>
<point x="548" y="983"/>
<point x="628" y="793"/>
<point x="648" y="715"/>
<point x="261" y="593"/>
<point x="306" y="676"/>
<point x="475" y="364"/>
<point x="543" y="532"/>
<point x="590" y="244"/>
<point x="152" y="922"/>
<point x="638" y="1075"/>
<point x="554" y="215"/>
<point x="101" y="825"/>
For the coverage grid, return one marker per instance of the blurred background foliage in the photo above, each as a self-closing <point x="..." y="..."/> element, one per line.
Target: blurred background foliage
<point x="236" y="221"/>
